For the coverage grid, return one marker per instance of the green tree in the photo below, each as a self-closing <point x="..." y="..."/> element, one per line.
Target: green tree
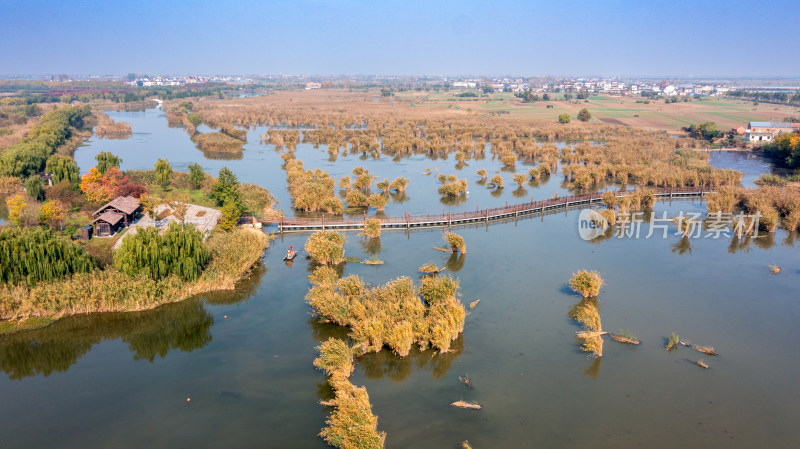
<point x="35" y="254"/>
<point x="230" y="216"/>
<point x="163" y="173"/>
<point x="196" y="175"/>
<point x="178" y="251"/>
<point x="564" y="118"/>
<point x="106" y="160"/>
<point x="195" y="119"/>
<point x="226" y="189"/>
<point x="706" y="131"/>
<point x="34" y="187"/>
<point x="62" y="168"/>
<point x="584" y="115"/>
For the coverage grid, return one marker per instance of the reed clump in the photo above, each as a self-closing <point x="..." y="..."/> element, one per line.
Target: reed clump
<point x="672" y="341"/>
<point x="378" y="201"/>
<point x="496" y="182"/>
<point x="372" y="227"/>
<point x="586" y="283"/>
<point x="451" y="186"/>
<point x="217" y="142"/>
<point x="326" y="247"/>
<point x="430" y="268"/>
<point x="107" y="127"/>
<point x="587" y="315"/>
<point x="399" y="184"/>
<point x="456" y="242"/>
<point x="311" y="190"/>
<point x="482" y="173"/>
<point x="395" y="315"/>
<point x="351" y="425"/>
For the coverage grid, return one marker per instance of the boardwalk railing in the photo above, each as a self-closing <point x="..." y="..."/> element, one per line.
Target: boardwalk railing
<point x="452" y="218"/>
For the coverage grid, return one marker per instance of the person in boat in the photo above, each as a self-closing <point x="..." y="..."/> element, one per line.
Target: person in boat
<point x="289" y="252"/>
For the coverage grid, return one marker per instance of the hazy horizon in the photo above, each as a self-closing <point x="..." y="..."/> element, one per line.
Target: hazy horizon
<point x="657" y="39"/>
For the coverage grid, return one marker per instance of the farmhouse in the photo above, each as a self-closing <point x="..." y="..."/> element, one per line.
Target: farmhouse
<point x="312" y="85"/>
<point x="115" y="215"/>
<point x="766" y="131"/>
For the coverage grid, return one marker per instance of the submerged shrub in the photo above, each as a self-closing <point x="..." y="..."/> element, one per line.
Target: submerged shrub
<point x="395" y="314"/>
<point x="399" y="184"/>
<point x="335" y="358"/>
<point x="352" y="425"/>
<point x="326" y="247"/>
<point x="456" y="242"/>
<point x="497" y="181"/>
<point x="587" y="283"/>
<point x="372" y="227"/>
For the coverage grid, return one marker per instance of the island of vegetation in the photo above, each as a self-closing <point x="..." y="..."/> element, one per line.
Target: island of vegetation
<point x="46" y="274"/>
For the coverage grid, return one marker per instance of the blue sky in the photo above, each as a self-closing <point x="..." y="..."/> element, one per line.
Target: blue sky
<point x="637" y="38"/>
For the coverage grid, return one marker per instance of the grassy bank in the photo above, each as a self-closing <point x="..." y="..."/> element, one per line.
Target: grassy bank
<point x="232" y="256"/>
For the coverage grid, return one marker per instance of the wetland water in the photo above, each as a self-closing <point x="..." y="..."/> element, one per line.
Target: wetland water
<point x="245" y="357"/>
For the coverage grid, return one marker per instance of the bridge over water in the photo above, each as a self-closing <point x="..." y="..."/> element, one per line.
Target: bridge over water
<point x="407" y="221"/>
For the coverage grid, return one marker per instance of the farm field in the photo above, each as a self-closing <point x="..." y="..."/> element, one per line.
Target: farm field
<point x="618" y="110"/>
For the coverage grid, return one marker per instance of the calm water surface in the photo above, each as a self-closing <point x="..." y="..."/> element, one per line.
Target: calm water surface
<point x="245" y="357"/>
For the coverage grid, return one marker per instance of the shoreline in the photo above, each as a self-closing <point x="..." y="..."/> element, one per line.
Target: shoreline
<point x="205" y="284"/>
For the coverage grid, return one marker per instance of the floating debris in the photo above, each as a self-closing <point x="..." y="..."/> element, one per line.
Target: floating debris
<point x="705" y="349"/>
<point x="444" y="250"/>
<point x="331" y="403"/>
<point x="474" y="304"/>
<point x="372" y="262"/>
<point x="625" y="337"/>
<point x="466" y="381"/>
<point x="775" y="269"/>
<point x="590" y="334"/>
<point x="465" y="445"/>
<point x="701" y="363"/>
<point x="467" y="405"/>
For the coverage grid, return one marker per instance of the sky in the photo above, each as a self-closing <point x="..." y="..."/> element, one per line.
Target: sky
<point x="330" y="37"/>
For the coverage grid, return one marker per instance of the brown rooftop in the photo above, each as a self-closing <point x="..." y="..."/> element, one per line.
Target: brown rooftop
<point x="125" y="204"/>
<point x="109" y="217"/>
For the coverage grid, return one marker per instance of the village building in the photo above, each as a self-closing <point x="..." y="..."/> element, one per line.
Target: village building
<point x="311" y="85"/>
<point x="766" y="131"/>
<point x="117" y="214"/>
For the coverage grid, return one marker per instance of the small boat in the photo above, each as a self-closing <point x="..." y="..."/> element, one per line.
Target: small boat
<point x="290" y="255"/>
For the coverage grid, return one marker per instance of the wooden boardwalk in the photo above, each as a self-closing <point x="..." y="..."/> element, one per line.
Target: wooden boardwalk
<point x="287" y="224"/>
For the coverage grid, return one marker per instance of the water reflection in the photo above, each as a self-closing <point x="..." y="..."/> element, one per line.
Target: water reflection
<point x="399" y="197"/>
<point x="222" y="156"/>
<point x="456" y="262"/>
<point x="245" y="289"/>
<point x="683" y="246"/>
<point x="184" y="326"/>
<point x="385" y="363"/>
<point x="371" y="246"/>
<point x="519" y="192"/>
<point x="594" y="369"/>
<point x="453" y="200"/>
